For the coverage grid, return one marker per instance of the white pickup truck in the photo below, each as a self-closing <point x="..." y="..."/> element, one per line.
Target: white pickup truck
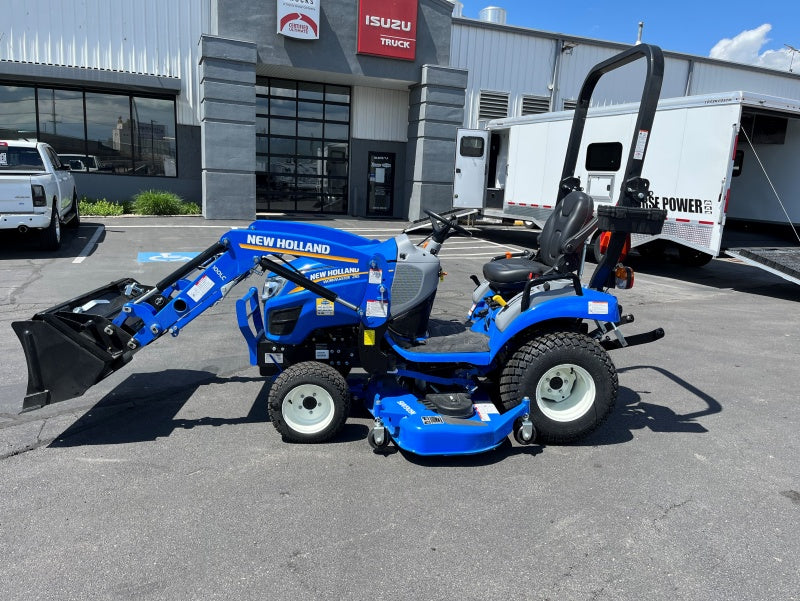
<point x="37" y="192"/>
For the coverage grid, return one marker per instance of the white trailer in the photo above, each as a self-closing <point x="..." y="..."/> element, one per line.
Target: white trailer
<point x="724" y="166"/>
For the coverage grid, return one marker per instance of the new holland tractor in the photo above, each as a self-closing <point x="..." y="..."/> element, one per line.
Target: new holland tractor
<point x="342" y="317"/>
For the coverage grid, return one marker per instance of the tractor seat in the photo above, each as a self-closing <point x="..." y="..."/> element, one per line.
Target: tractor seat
<point x="513" y="269"/>
<point x="508" y="275"/>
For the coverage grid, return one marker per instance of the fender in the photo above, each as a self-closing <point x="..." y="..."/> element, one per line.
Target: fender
<point x="509" y="321"/>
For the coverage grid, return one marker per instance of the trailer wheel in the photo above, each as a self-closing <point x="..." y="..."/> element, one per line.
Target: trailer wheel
<point x="570" y="380"/>
<point x="692" y="258"/>
<point x="51" y="235"/>
<point x="309" y="402"/>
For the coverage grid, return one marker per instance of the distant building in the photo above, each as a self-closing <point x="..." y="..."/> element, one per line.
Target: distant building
<point x="283" y="106"/>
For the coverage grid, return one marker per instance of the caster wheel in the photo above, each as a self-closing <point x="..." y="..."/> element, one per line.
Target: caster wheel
<point x="522" y="434"/>
<point x="377" y="439"/>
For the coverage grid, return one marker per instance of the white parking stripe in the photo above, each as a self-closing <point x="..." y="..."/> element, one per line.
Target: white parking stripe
<point x="89" y="245"/>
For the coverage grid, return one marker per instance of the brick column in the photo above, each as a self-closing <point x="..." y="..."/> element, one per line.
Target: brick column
<point x="436" y="112"/>
<point x="228" y="127"/>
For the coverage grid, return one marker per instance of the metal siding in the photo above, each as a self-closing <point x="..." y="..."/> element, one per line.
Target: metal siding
<point x="492" y="59"/>
<point x="379" y="114"/>
<point x="708" y="78"/>
<point x="151" y="37"/>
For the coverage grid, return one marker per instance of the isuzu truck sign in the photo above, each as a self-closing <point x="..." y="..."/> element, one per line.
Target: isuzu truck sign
<point x="299" y="19"/>
<point x="388" y="28"/>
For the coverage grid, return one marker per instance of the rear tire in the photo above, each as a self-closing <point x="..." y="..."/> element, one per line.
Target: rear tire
<point x="51" y="235"/>
<point x="570" y="381"/>
<point x="309" y="402"/>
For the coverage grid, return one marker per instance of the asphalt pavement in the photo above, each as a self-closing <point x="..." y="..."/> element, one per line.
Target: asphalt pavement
<point x="167" y="481"/>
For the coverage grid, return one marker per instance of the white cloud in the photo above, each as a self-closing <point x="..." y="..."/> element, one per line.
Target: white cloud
<point x="746" y="48"/>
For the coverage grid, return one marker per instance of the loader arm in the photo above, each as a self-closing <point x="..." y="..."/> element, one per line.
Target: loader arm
<point x="76" y="344"/>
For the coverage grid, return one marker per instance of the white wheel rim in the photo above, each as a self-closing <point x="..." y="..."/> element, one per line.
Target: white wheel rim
<point x="58" y="226"/>
<point x="307" y="409"/>
<point x="565" y="392"/>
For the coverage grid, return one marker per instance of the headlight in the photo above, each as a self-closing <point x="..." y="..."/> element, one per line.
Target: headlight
<point x="272" y="285"/>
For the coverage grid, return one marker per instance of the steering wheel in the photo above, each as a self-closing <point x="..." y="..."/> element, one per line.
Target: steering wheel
<point x="448" y="225"/>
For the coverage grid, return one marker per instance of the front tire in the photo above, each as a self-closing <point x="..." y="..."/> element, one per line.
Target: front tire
<point x="51" y="235"/>
<point x="309" y="402"/>
<point x="570" y="381"/>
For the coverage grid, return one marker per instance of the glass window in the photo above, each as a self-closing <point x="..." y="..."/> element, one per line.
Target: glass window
<point x="337" y="93"/>
<point x="282" y="146"/>
<point x="604" y="156"/>
<point x="337" y="112"/>
<point x="154" y="140"/>
<point x="262" y="105"/>
<point x="309" y="148"/>
<point x="336" y="131"/>
<point x="262" y="144"/>
<point x="282" y="87"/>
<point x="471" y="146"/>
<point x="108" y="128"/>
<point x="17" y="112"/>
<point x="282" y="127"/>
<point x="61" y="120"/>
<point x="309" y="129"/>
<point x="309" y="110"/>
<point x="262" y="125"/>
<point x="303" y="172"/>
<point x="281" y="107"/>
<point x="310" y="91"/>
<point x="17" y="158"/>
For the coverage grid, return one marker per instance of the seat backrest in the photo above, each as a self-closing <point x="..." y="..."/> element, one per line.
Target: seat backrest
<point x="569" y="216"/>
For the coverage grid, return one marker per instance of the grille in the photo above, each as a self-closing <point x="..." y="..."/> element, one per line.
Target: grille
<point x="533" y="105"/>
<point x="407" y="284"/>
<point x="493" y="105"/>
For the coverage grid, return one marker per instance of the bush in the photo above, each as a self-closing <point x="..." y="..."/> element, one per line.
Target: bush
<point x="157" y="202"/>
<point x="100" y="207"/>
<point x="149" y="202"/>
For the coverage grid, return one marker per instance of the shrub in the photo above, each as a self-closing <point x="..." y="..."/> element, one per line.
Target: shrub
<point x="157" y="202"/>
<point x="100" y="207"/>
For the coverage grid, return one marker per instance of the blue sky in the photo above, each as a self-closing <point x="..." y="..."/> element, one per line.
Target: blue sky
<point x="747" y="32"/>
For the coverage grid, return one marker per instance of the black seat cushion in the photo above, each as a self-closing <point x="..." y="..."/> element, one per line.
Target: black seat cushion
<point x="569" y="216"/>
<point x="515" y="269"/>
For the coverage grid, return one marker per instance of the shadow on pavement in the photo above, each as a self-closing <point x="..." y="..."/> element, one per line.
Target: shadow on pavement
<point x="631" y="413"/>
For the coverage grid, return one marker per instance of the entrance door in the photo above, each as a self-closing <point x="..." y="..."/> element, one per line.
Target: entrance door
<point x="380" y="185"/>
<point x="469" y="183"/>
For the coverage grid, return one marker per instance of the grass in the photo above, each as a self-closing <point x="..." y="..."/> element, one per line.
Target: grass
<point x="147" y="202"/>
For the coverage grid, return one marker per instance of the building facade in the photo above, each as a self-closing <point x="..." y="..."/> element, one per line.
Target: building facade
<point x="294" y="106"/>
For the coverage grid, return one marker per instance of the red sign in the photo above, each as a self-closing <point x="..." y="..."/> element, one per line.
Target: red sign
<point x="388" y="28"/>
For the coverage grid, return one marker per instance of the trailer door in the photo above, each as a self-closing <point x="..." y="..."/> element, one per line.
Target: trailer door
<point x="469" y="182"/>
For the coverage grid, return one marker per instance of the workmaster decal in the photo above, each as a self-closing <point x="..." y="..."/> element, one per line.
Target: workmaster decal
<point x="331" y="276"/>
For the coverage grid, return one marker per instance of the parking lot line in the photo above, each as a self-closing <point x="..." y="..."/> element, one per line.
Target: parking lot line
<point x="89" y="245"/>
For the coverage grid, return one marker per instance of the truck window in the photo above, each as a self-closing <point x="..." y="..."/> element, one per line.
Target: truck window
<point x="471" y="146"/>
<point x="604" y="156"/>
<point x="14" y="157"/>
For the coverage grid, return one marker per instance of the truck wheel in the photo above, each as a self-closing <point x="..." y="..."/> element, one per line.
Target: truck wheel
<point x="75" y="222"/>
<point x="51" y="235"/>
<point x="570" y="381"/>
<point x="309" y="402"/>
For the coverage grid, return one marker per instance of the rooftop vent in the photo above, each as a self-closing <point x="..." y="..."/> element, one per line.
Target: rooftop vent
<point x="493" y="14"/>
<point x="458" y="8"/>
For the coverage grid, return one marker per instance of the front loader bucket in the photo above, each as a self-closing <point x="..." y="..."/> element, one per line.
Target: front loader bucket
<point x="72" y="346"/>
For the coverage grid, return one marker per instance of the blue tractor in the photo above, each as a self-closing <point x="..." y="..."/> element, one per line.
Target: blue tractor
<point x="342" y="317"/>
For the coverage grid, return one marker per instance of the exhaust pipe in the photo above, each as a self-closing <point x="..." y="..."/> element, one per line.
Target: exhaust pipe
<point x="22" y="229"/>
